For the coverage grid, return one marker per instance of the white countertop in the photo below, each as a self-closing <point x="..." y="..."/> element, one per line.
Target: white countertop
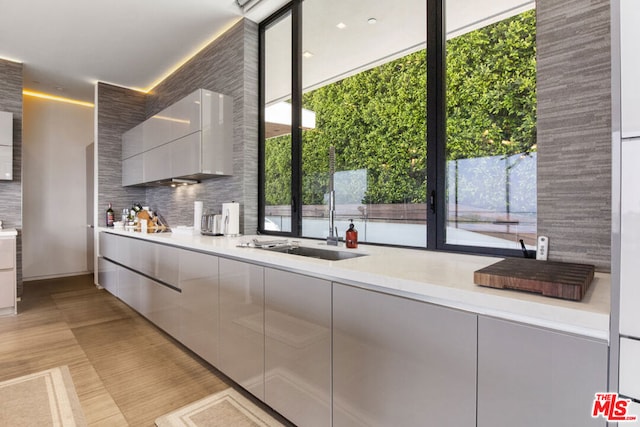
<point x="8" y="232"/>
<point x="436" y="277"/>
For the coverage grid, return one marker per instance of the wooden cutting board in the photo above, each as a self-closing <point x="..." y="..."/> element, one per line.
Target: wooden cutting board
<point x="549" y="278"/>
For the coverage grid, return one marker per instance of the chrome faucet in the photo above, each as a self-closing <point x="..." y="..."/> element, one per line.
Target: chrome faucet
<point x="333" y="238"/>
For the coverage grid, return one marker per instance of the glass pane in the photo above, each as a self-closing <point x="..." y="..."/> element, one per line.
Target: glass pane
<point x="491" y="124"/>
<point x="364" y="84"/>
<point x="277" y="109"/>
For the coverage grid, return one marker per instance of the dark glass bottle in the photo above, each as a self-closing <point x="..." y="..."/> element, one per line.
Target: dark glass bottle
<point x="109" y="216"/>
<point x="352" y="236"/>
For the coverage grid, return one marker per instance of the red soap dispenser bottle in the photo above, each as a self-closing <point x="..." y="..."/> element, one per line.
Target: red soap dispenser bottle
<point x="352" y="236"/>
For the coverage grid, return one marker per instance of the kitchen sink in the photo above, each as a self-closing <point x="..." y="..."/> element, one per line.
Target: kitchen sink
<point x="319" y="253"/>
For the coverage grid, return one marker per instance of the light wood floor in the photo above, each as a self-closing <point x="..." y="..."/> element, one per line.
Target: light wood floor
<point x="126" y="371"/>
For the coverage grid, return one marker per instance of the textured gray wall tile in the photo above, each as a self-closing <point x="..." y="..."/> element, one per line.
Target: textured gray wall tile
<point x="250" y="124"/>
<point x="118" y="110"/>
<point x="574" y="130"/>
<point x="11" y="191"/>
<point x="11" y="101"/>
<point x="229" y="65"/>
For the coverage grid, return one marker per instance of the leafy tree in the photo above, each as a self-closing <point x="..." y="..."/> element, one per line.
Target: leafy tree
<point x="377" y="119"/>
<point x="277" y="158"/>
<point x="491" y="90"/>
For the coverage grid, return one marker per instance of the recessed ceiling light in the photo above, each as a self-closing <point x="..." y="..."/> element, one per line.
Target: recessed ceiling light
<point x="307" y="54"/>
<point x="372" y="21"/>
<point x="341" y="25"/>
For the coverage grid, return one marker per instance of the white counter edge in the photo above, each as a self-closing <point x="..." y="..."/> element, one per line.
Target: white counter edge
<point x="8" y="232"/>
<point x="531" y="309"/>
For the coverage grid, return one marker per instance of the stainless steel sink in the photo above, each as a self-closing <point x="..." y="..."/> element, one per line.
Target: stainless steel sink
<point x="314" y="252"/>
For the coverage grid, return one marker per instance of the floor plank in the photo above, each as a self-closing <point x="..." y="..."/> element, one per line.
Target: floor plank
<point x="126" y="371"/>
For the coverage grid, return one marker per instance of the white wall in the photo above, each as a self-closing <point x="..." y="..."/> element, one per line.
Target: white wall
<point x="55" y="135"/>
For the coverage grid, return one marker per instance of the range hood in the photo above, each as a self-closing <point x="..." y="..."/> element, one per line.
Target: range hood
<point x="173" y="182"/>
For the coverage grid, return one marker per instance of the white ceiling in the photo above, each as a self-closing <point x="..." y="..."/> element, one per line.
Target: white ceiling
<point x="400" y="29"/>
<point x="66" y="46"/>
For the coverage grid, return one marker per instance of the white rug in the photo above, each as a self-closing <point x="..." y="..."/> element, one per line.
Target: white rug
<point x="227" y="408"/>
<point x="46" y="398"/>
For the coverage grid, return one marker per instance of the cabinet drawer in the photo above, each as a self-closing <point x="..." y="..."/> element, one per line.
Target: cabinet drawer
<point x="108" y="276"/>
<point x="108" y="246"/>
<point x="7" y="289"/>
<point x="630" y="368"/>
<point x="7" y="256"/>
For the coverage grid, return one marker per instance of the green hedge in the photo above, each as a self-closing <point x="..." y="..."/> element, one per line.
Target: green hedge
<point x="377" y="119"/>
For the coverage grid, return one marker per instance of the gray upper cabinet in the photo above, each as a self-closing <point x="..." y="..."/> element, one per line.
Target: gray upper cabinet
<point x="156" y="164"/>
<point x="399" y="362"/>
<point x="132" y="142"/>
<point x="534" y="377"/>
<point x="132" y="170"/>
<point x="192" y="138"/>
<point x="186" y="155"/>
<point x="630" y="66"/>
<point x="178" y="120"/>
<point x="6" y="146"/>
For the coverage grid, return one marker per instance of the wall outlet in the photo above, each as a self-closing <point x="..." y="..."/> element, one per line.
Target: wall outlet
<point x="543" y="248"/>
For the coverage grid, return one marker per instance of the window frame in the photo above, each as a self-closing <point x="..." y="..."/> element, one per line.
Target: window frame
<point x="435" y="132"/>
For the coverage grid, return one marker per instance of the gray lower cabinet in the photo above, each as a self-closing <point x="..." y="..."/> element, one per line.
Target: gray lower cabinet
<point x="161" y="305"/>
<point x="183" y="298"/>
<point x="298" y="347"/>
<point x="108" y="276"/>
<point x="155" y="301"/>
<point x="155" y="260"/>
<point x="198" y="309"/>
<point x="529" y="376"/>
<point x="123" y="250"/>
<point x="108" y="246"/>
<point x="8" y="275"/>
<point x="325" y="354"/>
<point x="241" y="346"/>
<point x="129" y="290"/>
<point x="398" y="362"/>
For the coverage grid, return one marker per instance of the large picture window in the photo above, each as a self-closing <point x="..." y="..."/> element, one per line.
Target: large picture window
<point x="351" y="79"/>
<point x="277" y="119"/>
<point x="491" y="127"/>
